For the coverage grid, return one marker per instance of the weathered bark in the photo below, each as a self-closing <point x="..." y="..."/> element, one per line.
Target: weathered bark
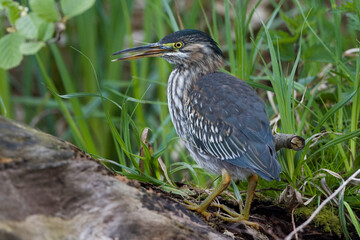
<point x="49" y="189"/>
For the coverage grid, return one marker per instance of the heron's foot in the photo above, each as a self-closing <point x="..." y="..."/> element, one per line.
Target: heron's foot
<point x="198" y="208"/>
<point x="240" y="218"/>
<point x="234" y="216"/>
<point x="229" y="211"/>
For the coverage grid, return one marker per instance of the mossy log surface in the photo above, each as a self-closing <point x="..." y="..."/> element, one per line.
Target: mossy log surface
<point x="49" y="189"/>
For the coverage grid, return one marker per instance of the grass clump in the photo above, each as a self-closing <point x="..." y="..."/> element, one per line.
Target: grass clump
<point x="303" y="59"/>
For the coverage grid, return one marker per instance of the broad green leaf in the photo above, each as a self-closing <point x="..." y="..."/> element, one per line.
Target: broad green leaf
<point x="30" y="48"/>
<point x="71" y="8"/>
<point x="45" y="9"/>
<point x="26" y="27"/>
<point x="10" y="55"/>
<point x="280" y="36"/>
<point x="45" y="29"/>
<point x="33" y="27"/>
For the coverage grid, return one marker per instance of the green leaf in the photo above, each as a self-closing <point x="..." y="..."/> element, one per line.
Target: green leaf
<point x="280" y="36"/>
<point x="13" y="10"/>
<point x="286" y="52"/>
<point x="26" y="27"/>
<point x="33" y="27"/>
<point x="317" y="53"/>
<point x="45" y="29"/>
<point x="45" y="9"/>
<point x="30" y="48"/>
<point x="71" y="8"/>
<point x="10" y="55"/>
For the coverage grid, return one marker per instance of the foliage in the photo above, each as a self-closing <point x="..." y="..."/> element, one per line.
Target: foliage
<point x="305" y="54"/>
<point x="29" y="32"/>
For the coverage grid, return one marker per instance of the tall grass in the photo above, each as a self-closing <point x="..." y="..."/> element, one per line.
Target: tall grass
<point x="297" y="52"/>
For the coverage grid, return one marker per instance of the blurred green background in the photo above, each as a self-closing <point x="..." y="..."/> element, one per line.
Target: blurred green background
<point x="301" y="56"/>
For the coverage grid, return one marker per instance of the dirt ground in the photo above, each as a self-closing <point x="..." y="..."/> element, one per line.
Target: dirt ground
<point x="274" y="220"/>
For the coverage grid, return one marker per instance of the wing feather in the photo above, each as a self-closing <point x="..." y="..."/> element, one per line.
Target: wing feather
<point x="235" y="127"/>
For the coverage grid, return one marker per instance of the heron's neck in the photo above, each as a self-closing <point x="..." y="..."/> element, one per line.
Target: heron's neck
<point x="181" y="81"/>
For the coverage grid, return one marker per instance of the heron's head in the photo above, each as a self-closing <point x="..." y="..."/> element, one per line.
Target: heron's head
<point x="182" y="48"/>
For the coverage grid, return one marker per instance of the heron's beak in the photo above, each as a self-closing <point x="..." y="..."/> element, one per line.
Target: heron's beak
<point x="151" y="50"/>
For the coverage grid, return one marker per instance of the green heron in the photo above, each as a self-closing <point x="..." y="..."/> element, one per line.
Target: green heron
<point x="220" y="117"/>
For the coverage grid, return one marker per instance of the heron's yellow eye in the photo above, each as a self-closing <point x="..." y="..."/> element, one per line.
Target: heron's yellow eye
<point x="178" y="44"/>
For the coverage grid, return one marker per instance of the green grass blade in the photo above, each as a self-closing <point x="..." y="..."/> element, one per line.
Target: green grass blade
<point x="184" y="165"/>
<point x="5" y="96"/>
<point x="2" y="107"/>
<point x="174" y="25"/>
<point x="342" y="66"/>
<point x="355" y="110"/>
<point x="342" y="217"/>
<point x="131" y="99"/>
<point x="236" y="191"/>
<point x="76" y="106"/>
<point x="342" y="138"/>
<point x="353" y="218"/>
<point x="333" y="110"/>
<point x="228" y="34"/>
<point x="79" y="95"/>
<point x="75" y="130"/>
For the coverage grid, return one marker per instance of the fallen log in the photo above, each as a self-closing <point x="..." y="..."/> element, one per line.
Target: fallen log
<point x="49" y="189"/>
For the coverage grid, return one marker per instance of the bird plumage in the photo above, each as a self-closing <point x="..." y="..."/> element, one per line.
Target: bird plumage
<point x="221" y="119"/>
<point x="224" y="119"/>
<point x="219" y="116"/>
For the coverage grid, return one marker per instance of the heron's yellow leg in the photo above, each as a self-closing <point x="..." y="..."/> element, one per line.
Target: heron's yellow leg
<point x="235" y="217"/>
<point x="202" y="207"/>
<point x="252" y="183"/>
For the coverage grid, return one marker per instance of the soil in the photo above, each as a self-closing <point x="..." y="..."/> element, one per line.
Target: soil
<point x="274" y="219"/>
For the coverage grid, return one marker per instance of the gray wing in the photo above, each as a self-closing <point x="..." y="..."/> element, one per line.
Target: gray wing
<point x="227" y="120"/>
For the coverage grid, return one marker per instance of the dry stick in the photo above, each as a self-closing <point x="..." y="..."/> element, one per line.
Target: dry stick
<point x="293" y="220"/>
<point x="291" y="141"/>
<point x="289" y="237"/>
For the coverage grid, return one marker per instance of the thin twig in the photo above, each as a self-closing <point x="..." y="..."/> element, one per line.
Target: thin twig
<point x="293" y="220"/>
<point x="302" y="226"/>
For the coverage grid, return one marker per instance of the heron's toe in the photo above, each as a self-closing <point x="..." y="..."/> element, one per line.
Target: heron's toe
<point x="198" y="208"/>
